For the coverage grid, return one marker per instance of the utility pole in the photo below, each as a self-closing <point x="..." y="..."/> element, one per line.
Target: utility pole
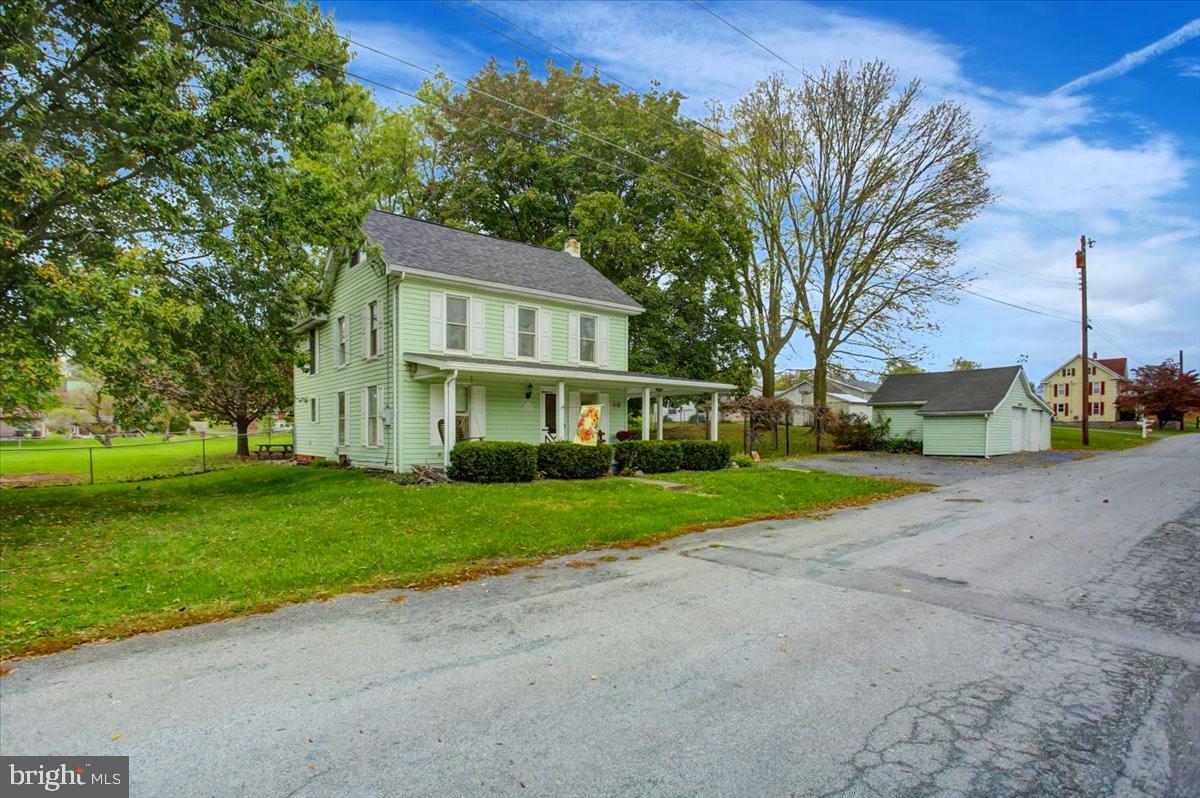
<point x="1085" y="395"/>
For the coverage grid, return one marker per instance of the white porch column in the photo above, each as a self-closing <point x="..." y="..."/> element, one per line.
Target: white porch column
<point x="646" y="413"/>
<point x="562" y="411"/>
<point x="450" y="413"/>
<point x="714" y="419"/>
<point x="658" y="414"/>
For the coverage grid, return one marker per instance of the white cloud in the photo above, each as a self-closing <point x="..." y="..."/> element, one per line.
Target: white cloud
<point x="1135" y="59"/>
<point x="1070" y="174"/>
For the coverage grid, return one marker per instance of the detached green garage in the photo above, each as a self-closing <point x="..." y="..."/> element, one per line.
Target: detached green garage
<point x="974" y="413"/>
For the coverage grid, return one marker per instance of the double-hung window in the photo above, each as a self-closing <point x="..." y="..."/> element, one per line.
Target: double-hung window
<point x="343" y="342"/>
<point x="587" y="339"/>
<point x="341" y="418"/>
<point x="372" y="329"/>
<point x="372" y="421"/>
<point x="312" y="350"/>
<point x="526" y="332"/>
<point x="457" y="310"/>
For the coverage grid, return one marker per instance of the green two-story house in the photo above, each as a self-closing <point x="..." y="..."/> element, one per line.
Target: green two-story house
<point x="506" y="340"/>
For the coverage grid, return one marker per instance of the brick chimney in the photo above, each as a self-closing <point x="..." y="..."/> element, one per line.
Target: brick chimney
<point x="572" y="247"/>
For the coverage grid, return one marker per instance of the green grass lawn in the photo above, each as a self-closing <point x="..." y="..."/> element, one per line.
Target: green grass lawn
<point x="802" y="440"/>
<point x="90" y="562"/>
<point x="1103" y="439"/>
<point x="59" y="460"/>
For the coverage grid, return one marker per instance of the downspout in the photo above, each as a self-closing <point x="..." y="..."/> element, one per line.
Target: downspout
<point x="398" y="456"/>
<point x="987" y="435"/>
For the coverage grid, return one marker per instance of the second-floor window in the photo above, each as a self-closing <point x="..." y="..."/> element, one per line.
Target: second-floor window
<point x="343" y="343"/>
<point x="1098" y="388"/>
<point x="312" y="351"/>
<point x="456" y="323"/>
<point x="526" y="332"/>
<point x="587" y="339"/>
<point x="372" y="329"/>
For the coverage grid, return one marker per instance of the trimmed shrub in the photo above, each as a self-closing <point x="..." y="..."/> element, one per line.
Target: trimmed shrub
<point x="494" y="461"/>
<point x="743" y="460"/>
<point x="649" y="457"/>
<point x="705" y="455"/>
<point x="626" y="435"/>
<point x="566" y="460"/>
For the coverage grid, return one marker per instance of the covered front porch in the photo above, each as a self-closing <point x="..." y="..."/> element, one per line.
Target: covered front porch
<point x="537" y="403"/>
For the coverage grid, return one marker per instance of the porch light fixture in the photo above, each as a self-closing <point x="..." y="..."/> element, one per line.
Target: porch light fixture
<point x="529" y="390"/>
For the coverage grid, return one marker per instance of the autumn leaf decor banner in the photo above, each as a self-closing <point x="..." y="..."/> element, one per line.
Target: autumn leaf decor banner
<point x="587" y="429"/>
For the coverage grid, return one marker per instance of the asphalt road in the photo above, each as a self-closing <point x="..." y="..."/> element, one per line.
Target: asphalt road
<point x="1033" y="632"/>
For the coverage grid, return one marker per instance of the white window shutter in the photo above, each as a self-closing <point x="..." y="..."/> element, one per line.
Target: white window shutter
<point x="510" y="331"/>
<point x="476" y="342"/>
<point x="573" y="338"/>
<point x="543" y="327"/>
<point x="437" y="321"/>
<point x="365" y="338"/>
<point x="478" y="416"/>
<point x="605" y="412"/>
<point x="602" y="341"/>
<point x="364" y="417"/>
<point x="437" y="409"/>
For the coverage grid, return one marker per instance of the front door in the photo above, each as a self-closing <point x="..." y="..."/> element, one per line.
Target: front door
<point x="549" y="415"/>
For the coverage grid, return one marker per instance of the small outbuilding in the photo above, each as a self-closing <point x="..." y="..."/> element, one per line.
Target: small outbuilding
<point x="976" y="413"/>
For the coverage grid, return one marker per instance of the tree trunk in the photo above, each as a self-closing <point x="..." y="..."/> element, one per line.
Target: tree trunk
<point x="243" y="432"/>
<point x="767" y="370"/>
<point x="820" y="372"/>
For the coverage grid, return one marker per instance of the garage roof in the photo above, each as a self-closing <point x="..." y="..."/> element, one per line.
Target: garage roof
<point x="948" y="392"/>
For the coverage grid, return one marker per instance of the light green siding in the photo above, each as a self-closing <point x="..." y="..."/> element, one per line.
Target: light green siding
<point x="904" y="421"/>
<point x="506" y="415"/>
<point x="409" y="435"/>
<point x="353" y="288"/>
<point x="414" y="322"/>
<point x="956" y="435"/>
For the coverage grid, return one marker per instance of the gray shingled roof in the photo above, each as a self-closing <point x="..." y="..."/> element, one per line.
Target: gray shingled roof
<point x="414" y="244"/>
<point x="978" y="391"/>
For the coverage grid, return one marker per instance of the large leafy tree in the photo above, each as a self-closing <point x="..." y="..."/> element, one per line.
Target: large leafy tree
<point x="855" y="186"/>
<point x="653" y="218"/>
<point x="1164" y="390"/>
<point x="155" y="148"/>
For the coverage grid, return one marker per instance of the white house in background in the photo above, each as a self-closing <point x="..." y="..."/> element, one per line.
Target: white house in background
<point x="841" y="395"/>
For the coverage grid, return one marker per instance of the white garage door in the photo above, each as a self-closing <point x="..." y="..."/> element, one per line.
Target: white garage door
<point x="1033" y="436"/>
<point x="1018" y="429"/>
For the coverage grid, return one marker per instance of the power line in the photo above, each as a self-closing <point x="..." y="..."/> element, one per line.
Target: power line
<point x="705" y="8"/>
<point x="570" y="55"/>
<point x="494" y="98"/>
<point x="1014" y="305"/>
<point x="451" y="110"/>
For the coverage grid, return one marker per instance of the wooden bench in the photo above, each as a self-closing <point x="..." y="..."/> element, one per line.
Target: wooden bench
<point x="273" y="451"/>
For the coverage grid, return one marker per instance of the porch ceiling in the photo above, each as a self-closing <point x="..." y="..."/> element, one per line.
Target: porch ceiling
<point x="632" y="381"/>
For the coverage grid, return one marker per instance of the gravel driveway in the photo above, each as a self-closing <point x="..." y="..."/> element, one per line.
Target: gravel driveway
<point x="933" y="470"/>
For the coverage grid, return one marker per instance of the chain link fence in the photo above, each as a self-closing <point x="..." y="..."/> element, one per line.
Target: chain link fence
<point x="60" y="461"/>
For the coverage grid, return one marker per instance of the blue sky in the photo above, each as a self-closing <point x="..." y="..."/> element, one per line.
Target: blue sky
<point x="1092" y="111"/>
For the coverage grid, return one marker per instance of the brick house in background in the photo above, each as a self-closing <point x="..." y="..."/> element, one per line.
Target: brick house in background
<point x="1061" y="389"/>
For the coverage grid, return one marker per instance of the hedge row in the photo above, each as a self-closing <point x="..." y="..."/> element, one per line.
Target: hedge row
<point x="511" y="461"/>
